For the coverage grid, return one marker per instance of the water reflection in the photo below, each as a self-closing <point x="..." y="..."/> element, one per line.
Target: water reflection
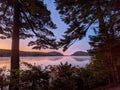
<point x="81" y="58"/>
<point x="81" y="61"/>
<point x="56" y="58"/>
<point x="4" y="62"/>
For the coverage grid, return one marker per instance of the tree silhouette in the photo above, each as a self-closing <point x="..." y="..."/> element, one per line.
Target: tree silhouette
<point x="107" y="49"/>
<point x="21" y="19"/>
<point x="81" y="15"/>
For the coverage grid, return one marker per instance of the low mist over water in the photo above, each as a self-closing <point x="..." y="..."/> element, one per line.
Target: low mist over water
<point x="80" y="61"/>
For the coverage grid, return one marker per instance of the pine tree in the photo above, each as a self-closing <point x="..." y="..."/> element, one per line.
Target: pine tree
<point x="81" y="15"/>
<point x="21" y="19"/>
<point x="107" y="50"/>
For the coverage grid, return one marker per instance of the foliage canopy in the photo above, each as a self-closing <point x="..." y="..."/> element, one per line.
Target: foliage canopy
<point x="35" y="22"/>
<point x="83" y="15"/>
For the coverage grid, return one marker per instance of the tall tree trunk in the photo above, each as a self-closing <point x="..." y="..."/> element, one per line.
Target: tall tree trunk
<point x="14" y="81"/>
<point x="103" y="32"/>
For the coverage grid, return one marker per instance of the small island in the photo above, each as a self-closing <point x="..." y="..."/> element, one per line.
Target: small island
<point x="80" y="53"/>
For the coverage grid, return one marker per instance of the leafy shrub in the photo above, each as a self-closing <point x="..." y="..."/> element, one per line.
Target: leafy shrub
<point x="59" y="77"/>
<point x="34" y="78"/>
<point x="67" y="78"/>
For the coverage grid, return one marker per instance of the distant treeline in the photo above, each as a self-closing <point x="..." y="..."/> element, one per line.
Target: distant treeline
<point x="7" y="53"/>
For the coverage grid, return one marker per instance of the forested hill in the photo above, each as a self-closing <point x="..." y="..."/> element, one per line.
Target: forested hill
<point x="80" y="53"/>
<point x="7" y="53"/>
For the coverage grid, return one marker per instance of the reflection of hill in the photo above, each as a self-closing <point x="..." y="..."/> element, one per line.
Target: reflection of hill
<point x="56" y="58"/>
<point x="80" y="58"/>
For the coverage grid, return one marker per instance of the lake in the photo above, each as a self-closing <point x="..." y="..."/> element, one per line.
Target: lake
<point x="80" y="61"/>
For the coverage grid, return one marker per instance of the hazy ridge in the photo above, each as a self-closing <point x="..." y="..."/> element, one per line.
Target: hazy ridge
<point x="7" y="53"/>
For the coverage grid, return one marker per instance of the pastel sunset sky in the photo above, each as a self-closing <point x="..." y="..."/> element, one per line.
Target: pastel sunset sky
<point x="78" y="46"/>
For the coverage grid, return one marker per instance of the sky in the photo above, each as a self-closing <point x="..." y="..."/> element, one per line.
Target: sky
<point x="81" y="45"/>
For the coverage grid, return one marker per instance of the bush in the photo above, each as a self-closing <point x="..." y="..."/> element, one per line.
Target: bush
<point x="60" y="77"/>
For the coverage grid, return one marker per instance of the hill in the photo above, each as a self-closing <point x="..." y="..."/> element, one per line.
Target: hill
<point x="80" y="53"/>
<point x="7" y="53"/>
<point x="54" y="54"/>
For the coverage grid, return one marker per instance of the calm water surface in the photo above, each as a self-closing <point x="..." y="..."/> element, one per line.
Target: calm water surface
<point x="81" y="61"/>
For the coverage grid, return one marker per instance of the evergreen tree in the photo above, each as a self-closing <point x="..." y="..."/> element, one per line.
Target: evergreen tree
<point x="22" y="19"/>
<point x="80" y="15"/>
<point x="107" y="50"/>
